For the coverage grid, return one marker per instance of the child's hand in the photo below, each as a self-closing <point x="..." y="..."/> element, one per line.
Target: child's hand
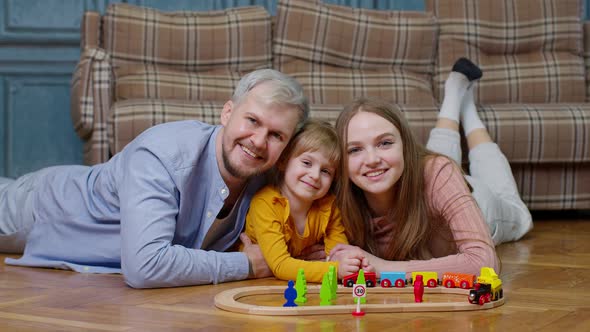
<point x="347" y="267"/>
<point x="350" y="259"/>
<point x="316" y="252"/>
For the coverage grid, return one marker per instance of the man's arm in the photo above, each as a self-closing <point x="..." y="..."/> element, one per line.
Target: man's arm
<point x="149" y="207"/>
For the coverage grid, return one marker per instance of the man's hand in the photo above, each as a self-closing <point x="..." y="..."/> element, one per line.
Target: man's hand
<point x="316" y="252"/>
<point x="258" y="266"/>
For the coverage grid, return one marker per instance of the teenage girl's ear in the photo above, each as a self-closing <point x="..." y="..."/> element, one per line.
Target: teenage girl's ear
<point x="226" y="112"/>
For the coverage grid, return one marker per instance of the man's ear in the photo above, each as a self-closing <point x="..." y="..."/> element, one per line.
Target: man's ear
<point x="226" y="112"/>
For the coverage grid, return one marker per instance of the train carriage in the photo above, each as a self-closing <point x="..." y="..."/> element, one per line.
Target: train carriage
<point x="393" y="278"/>
<point x="430" y="278"/>
<point x="462" y="280"/>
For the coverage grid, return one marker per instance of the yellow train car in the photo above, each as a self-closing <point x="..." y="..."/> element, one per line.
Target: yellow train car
<point x="430" y="278"/>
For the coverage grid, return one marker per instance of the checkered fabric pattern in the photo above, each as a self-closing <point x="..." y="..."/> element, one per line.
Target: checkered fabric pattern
<point x="130" y="118"/>
<point x="530" y="51"/>
<point x="89" y="36"/>
<point x="148" y="81"/>
<point x="91" y="98"/>
<point x="235" y="38"/>
<point x="587" y="58"/>
<point x="339" y="52"/>
<point x="540" y="133"/>
<point x="553" y="187"/>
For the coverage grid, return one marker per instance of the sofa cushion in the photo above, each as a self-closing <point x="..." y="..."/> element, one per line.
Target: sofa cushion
<point x="330" y="47"/>
<point x="322" y="84"/>
<point x="325" y="84"/>
<point x="129" y="118"/>
<point x="587" y="58"/>
<point x="530" y="50"/>
<point x="236" y="38"/>
<point x="540" y="133"/>
<point x="148" y="81"/>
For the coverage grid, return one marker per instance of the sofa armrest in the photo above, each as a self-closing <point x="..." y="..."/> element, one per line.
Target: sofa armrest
<point x="90" y="30"/>
<point x="91" y="99"/>
<point x="586" y="53"/>
<point x="91" y="91"/>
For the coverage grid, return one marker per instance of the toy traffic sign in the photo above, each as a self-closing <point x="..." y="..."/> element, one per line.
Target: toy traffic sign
<point x="358" y="290"/>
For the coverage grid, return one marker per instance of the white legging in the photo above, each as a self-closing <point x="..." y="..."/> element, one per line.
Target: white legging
<point x="494" y="188"/>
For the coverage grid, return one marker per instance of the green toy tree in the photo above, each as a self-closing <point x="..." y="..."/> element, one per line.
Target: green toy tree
<point x="333" y="276"/>
<point x="326" y="291"/>
<point x="301" y="287"/>
<point x="361" y="280"/>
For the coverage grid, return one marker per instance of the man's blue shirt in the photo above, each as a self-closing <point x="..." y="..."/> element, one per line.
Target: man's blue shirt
<point x="144" y="213"/>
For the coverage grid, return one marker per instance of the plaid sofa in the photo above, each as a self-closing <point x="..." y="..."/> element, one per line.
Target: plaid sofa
<point x="140" y="67"/>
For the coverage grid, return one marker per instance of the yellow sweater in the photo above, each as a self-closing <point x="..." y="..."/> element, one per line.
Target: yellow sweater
<point x="269" y="225"/>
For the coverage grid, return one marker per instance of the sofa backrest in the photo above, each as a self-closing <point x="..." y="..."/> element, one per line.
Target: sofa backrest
<point x="530" y="50"/>
<point x="340" y="52"/>
<point x="587" y="57"/>
<point x="236" y="38"/>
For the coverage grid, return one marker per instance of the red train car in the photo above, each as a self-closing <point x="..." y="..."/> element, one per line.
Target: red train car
<point x="370" y="279"/>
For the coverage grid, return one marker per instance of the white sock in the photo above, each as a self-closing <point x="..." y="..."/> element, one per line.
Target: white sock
<point x="455" y="87"/>
<point x="469" y="117"/>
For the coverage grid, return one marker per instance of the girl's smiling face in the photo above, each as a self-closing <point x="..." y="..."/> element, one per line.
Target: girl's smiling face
<point x="375" y="155"/>
<point x="308" y="177"/>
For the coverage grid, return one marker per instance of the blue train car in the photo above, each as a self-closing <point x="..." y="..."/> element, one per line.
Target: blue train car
<point x="397" y="279"/>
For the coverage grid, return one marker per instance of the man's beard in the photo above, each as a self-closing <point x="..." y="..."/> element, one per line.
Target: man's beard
<point x="235" y="171"/>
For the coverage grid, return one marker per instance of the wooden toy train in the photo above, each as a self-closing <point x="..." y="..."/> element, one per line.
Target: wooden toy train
<point x="483" y="288"/>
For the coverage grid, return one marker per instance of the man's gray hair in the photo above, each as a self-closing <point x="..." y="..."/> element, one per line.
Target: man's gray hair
<point x="284" y="90"/>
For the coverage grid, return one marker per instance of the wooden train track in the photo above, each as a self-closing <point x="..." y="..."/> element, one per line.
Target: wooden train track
<point x="229" y="300"/>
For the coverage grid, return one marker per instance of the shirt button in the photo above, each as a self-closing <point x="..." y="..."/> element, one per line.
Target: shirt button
<point x="209" y="214"/>
<point x="223" y="191"/>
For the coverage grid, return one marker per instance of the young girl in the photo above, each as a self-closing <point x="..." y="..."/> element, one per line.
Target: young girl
<point x="297" y="209"/>
<point x="407" y="208"/>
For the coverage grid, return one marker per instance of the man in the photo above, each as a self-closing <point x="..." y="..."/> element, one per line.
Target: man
<point x="165" y="209"/>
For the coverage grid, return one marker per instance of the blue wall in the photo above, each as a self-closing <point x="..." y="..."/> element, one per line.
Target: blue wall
<point x="39" y="48"/>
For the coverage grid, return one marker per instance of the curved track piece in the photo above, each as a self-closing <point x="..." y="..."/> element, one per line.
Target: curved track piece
<point x="229" y="300"/>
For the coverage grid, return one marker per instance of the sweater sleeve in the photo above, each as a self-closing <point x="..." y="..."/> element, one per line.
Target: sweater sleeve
<point x="335" y="232"/>
<point x="267" y="221"/>
<point x="450" y="197"/>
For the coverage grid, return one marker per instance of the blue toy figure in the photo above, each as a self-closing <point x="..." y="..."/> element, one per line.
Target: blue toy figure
<point x="290" y="295"/>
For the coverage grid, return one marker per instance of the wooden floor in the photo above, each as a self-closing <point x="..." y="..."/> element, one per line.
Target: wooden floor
<point x="546" y="280"/>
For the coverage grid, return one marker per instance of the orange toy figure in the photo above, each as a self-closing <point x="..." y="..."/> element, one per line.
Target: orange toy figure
<point x="418" y="288"/>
